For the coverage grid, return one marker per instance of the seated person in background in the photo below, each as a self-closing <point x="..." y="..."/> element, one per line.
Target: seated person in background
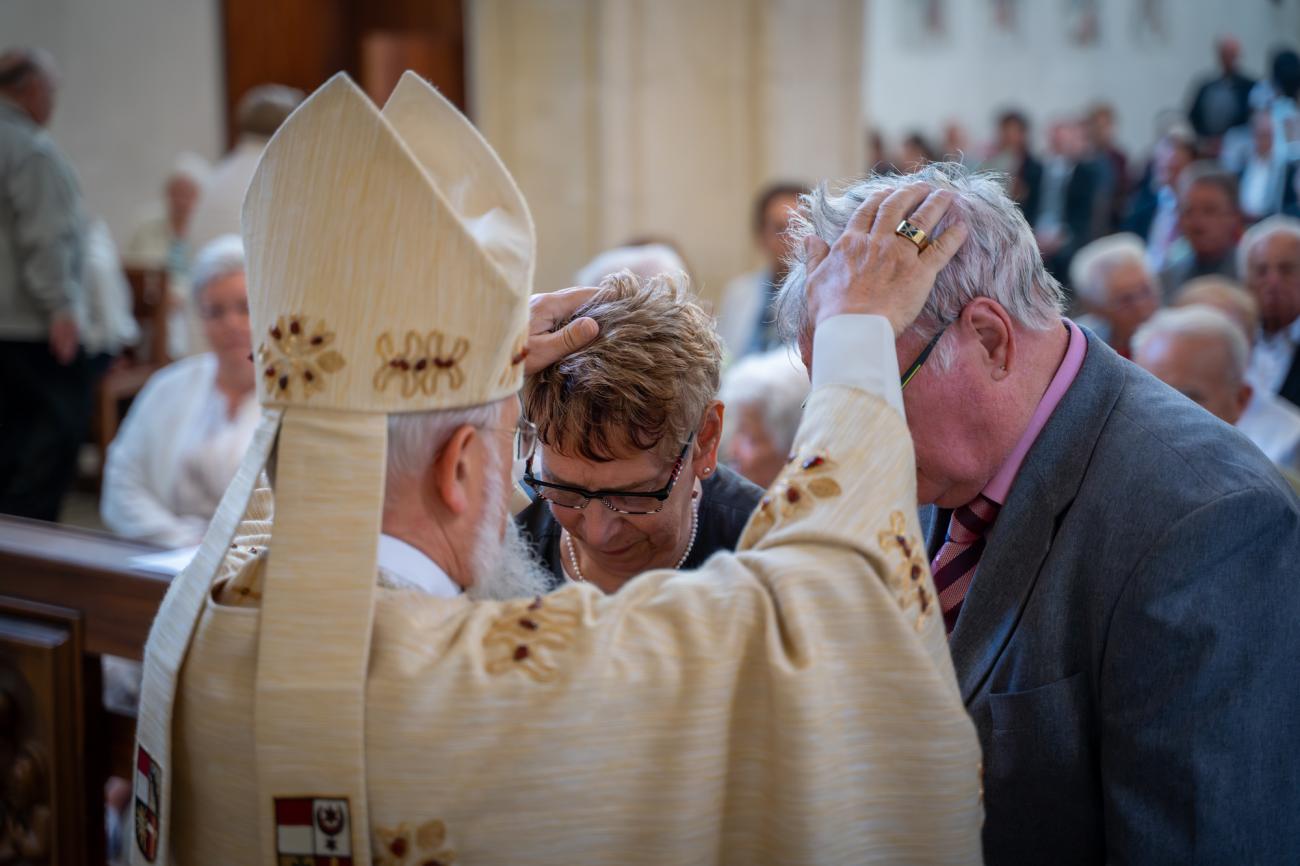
<point x="1267" y="180"/>
<point x="259" y="114"/>
<point x="1115" y="289"/>
<point x="745" y="320"/>
<point x="765" y="394"/>
<point x="1201" y="353"/>
<point x="1270" y="263"/>
<point x="645" y="260"/>
<point x="187" y="431"/>
<point x="161" y="240"/>
<point x="1272" y="423"/>
<point x="627" y="478"/>
<point x="1209" y="218"/>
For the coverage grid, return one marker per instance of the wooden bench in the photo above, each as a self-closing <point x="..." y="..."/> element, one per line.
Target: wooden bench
<point x="67" y="597"/>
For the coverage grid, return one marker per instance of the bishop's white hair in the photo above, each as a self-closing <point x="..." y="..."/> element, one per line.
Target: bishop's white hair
<point x="1000" y="260"/>
<point x="415" y="437"/>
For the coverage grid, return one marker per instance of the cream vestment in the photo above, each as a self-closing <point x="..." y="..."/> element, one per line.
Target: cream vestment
<point x="792" y="702"/>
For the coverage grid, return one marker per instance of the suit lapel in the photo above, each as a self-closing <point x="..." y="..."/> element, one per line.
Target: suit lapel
<point x="1022" y="535"/>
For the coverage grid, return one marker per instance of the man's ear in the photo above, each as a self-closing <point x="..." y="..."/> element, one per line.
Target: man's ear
<point x="708" y="439"/>
<point x="454" y="469"/>
<point x="992" y="327"/>
<point x="1244" y="393"/>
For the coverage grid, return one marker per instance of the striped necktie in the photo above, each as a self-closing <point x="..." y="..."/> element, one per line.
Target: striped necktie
<point x="954" y="566"/>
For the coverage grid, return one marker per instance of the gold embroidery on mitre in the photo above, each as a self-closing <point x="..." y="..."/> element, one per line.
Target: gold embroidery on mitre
<point x="804" y="479"/>
<point x="405" y="845"/>
<point x="297" y="354"/>
<point x="423" y="361"/>
<point x="527" y="637"/>
<point x="908" y="578"/>
<point x="517" y="355"/>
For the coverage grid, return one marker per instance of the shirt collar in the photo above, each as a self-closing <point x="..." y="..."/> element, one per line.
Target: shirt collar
<point x="409" y="568"/>
<point x="1000" y="486"/>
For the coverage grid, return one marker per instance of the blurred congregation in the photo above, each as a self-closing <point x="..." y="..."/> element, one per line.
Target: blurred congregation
<point x="128" y="379"/>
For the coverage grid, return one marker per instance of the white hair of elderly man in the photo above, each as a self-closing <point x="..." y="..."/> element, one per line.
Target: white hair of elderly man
<point x="1000" y="259"/>
<point x="1095" y="262"/>
<point x="1199" y="321"/>
<point x="1262" y="231"/>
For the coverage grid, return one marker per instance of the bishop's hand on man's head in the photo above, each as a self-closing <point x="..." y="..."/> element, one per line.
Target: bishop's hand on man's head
<point x="873" y="267"/>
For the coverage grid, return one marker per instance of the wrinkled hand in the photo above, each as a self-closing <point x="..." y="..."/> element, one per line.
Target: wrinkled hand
<point x="63" y="338"/>
<point x="871" y="270"/>
<point x="545" y="346"/>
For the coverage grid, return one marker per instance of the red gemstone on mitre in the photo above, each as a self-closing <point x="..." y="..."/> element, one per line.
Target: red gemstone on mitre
<point x="317" y="340"/>
<point x="421" y="364"/>
<point x="398" y="847"/>
<point x="284" y="383"/>
<point x="529" y="624"/>
<point x="309" y="375"/>
<point x="792" y="494"/>
<point x="270" y="373"/>
<point x="521" y="652"/>
<point x="813" y="462"/>
<point x="275" y="332"/>
<point x="294" y="327"/>
<point x="444" y="363"/>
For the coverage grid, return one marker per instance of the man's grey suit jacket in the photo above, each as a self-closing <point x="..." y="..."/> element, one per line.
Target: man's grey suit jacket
<point x="1130" y="646"/>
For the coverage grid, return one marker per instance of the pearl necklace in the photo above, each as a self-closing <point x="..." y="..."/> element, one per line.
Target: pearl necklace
<point x="695" y="525"/>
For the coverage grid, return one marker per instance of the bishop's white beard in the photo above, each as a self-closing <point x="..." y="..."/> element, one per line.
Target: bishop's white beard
<point x="504" y="568"/>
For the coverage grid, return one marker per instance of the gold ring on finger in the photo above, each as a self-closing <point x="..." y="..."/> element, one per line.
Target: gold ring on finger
<point x="913" y="233"/>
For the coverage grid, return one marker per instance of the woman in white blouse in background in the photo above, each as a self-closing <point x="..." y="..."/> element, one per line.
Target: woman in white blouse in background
<point x="188" y="429"/>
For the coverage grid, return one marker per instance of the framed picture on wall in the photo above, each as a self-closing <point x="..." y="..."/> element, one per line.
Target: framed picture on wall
<point x="1083" y="22"/>
<point x="1150" y="24"/>
<point x="1006" y="17"/>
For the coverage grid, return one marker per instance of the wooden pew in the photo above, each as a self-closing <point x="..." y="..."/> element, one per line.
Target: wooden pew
<point x="67" y="597"/>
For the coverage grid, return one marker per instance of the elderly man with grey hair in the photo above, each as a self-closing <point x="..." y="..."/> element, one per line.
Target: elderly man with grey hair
<point x="1269" y="421"/>
<point x="1270" y="262"/>
<point x="1202" y="353"/>
<point x="1115" y="288"/>
<point x="1109" y="558"/>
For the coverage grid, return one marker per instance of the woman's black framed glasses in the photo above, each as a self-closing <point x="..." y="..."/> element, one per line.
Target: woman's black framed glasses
<point x="618" y="501"/>
<point x="921" y="359"/>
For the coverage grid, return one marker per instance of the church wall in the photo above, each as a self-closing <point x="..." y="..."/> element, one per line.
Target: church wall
<point x="917" y="80"/>
<point x="140" y="84"/>
<point x="624" y="118"/>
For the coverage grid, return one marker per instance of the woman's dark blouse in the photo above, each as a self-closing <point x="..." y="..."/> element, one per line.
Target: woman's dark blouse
<point x="728" y="501"/>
